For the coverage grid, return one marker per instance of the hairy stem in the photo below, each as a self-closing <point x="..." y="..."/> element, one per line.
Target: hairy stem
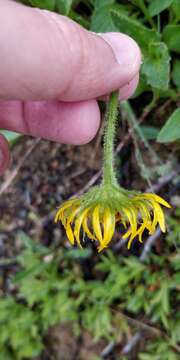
<point x="109" y="176"/>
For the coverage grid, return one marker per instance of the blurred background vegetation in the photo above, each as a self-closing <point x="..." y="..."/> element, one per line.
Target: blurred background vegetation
<point x="62" y="303"/>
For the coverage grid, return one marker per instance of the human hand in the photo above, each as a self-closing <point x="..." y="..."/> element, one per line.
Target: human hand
<point x="52" y="71"/>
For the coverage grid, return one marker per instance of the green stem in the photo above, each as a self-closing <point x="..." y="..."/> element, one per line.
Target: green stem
<point x="109" y="176"/>
<point x="146" y="13"/>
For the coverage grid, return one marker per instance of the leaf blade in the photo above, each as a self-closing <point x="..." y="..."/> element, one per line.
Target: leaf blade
<point x="171" y="130"/>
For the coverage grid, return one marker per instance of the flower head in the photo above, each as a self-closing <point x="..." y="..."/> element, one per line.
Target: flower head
<point x="97" y="213"/>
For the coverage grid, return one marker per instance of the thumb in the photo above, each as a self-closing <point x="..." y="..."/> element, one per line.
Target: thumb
<point x="46" y="56"/>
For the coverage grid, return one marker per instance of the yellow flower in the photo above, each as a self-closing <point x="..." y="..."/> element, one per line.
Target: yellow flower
<point x="97" y="213"/>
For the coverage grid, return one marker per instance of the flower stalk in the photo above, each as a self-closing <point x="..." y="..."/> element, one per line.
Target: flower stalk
<point x="109" y="176"/>
<point x="96" y="213"/>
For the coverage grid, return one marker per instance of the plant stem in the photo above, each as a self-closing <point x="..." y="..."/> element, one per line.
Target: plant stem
<point x="146" y="13"/>
<point x="109" y="176"/>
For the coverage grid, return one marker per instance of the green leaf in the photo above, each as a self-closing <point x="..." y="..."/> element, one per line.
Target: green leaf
<point x="11" y="136"/>
<point x="100" y="3"/>
<point x="6" y="354"/>
<point x="98" y="320"/>
<point x="171" y="130"/>
<point x="176" y="9"/>
<point x="156" y="55"/>
<point x="77" y="254"/>
<point x="176" y="73"/>
<point x="150" y="132"/>
<point x="134" y="28"/>
<point x="156" y="65"/>
<point x="34" y="290"/>
<point x="157" y="6"/>
<point x="43" y="4"/>
<point x="101" y="20"/>
<point x="64" y="6"/>
<point x="171" y="35"/>
<point x="32" y="245"/>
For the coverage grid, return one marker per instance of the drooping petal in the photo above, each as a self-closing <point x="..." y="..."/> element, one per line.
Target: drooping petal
<point x="86" y="228"/>
<point x="146" y="220"/>
<point x="60" y="212"/>
<point x="68" y="228"/>
<point x="140" y="232"/>
<point x="145" y="215"/>
<point x="109" y="227"/>
<point x="72" y="215"/>
<point x="158" y="199"/>
<point x="127" y="234"/>
<point x="132" y="217"/>
<point x="77" y="226"/>
<point x="119" y="218"/>
<point x="96" y="224"/>
<point x="158" y="216"/>
<point x="70" y="234"/>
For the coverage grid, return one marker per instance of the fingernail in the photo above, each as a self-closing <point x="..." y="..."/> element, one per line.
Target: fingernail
<point x="125" y="49"/>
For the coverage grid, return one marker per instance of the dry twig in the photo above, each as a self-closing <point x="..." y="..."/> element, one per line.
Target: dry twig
<point x="131" y="344"/>
<point x="108" y="349"/>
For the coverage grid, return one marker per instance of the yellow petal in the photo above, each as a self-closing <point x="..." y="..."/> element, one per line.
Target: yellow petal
<point x="140" y="236"/>
<point x="140" y="232"/>
<point x="109" y="227"/>
<point x="59" y="214"/>
<point x="78" y="224"/>
<point x="158" y="217"/>
<point x="120" y="218"/>
<point x="145" y="215"/>
<point x="67" y="226"/>
<point x="157" y="198"/>
<point x="72" y="215"/>
<point x="96" y="224"/>
<point x="132" y="217"/>
<point x="70" y="234"/>
<point x="86" y="229"/>
<point x="130" y="241"/>
<point x="127" y="234"/>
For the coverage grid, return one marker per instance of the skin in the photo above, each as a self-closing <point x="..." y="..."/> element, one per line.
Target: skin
<point x="52" y="71"/>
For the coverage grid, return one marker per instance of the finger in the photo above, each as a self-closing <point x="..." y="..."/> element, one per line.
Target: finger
<point x="4" y="154"/>
<point x="70" y="123"/>
<point x="49" y="56"/>
<point x="56" y="120"/>
<point x="128" y="90"/>
<point x="74" y="123"/>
